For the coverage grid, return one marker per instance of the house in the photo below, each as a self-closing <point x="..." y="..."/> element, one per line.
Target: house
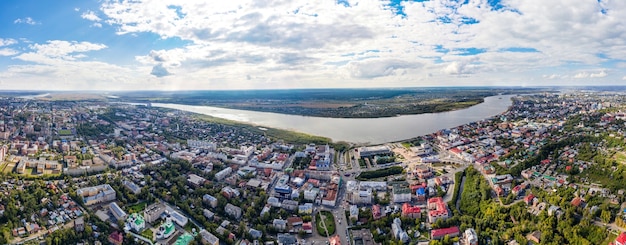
<point x="280" y="224"/>
<point x="286" y="239"/>
<point x="440" y="233"/>
<point x="376" y="212"/>
<point x="307" y="227"/>
<point x="529" y="199"/>
<point x="116" y="238"/>
<point x="256" y="234"/>
<point x="195" y="180"/>
<point x="335" y="240"/>
<point x="470" y="237"/>
<point x="535" y="236"/>
<point x="79" y="224"/>
<point x="294" y="223"/>
<point x="411" y="211"/>
<point x="354" y="212"/>
<point x="578" y="202"/>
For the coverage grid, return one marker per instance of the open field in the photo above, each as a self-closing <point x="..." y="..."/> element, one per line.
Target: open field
<point x="335" y="103"/>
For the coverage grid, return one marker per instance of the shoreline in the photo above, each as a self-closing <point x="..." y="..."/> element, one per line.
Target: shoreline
<point x="296" y="136"/>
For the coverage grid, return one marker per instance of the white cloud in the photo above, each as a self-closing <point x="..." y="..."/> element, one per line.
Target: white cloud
<point x="598" y="75"/>
<point x="624" y="78"/>
<point x="379" y="68"/>
<point x="322" y="43"/>
<point x="585" y="74"/>
<point x="27" y="20"/>
<point x="90" y="15"/>
<point x="7" y="41"/>
<point x="8" y="52"/>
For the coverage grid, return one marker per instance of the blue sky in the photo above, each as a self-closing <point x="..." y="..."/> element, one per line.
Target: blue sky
<point x="256" y="44"/>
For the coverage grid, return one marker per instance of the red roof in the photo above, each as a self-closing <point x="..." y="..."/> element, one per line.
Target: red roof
<point x="455" y="150"/>
<point x="408" y="209"/>
<point x="621" y="238"/>
<point x="529" y="198"/>
<point x="577" y="201"/>
<point x="444" y="231"/>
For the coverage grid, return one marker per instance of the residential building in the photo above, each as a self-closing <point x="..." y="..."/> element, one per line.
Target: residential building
<point x="362" y="237"/>
<point x="208" y="214"/>
<point x="437" y="209"/>
<point x="195" y="180"/>
<point x="306" y="208"/>
<point x="440" y="233"/>
<point x="354" y="212"/>
<point x="376" y="212"/>
<point x="208" y="238"/>
<point x="211" y="200"/>
<point x="177" y="217"/>
<point x="79" y="224"/>
<point x="470" y="237"/>
<point x="233" y="211"/>
<point x="116" y="238"/>
<point x="413" y="212"/>
<point x="153" y="212"/>
<point x="535" y="237"/>
<point x="401" y="194"/>
<point x="117" y="211"/>
<point x="97" y="194"/>
<point x="132" y="187"/>
<point x="286" y="239"/>
<point x="280" y="224"/>
<point x="398" y="233"/>
<point x="223" y="173"/>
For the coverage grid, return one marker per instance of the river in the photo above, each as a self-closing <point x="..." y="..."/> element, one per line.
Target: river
<point x="359" y="130"/>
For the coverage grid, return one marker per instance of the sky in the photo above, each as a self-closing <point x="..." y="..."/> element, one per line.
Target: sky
<point x="274" y="44"/>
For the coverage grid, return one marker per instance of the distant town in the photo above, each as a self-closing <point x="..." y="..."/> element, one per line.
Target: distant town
<point x="549" y="170"/>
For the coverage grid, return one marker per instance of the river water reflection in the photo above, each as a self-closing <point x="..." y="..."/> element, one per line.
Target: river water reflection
<point x="359" y="130"/>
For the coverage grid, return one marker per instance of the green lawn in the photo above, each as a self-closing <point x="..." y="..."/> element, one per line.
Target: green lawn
<point x="329" y="220"/>
<point x="148" y="234"/>
<point x="407" y="145"/>
<point x="65" y="132"/>
<point x="137" y="208"/>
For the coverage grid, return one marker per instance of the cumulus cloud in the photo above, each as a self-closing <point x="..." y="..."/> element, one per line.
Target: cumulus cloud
<point x="379" y="68"/>
<point x="8" y="52"/>
<point x="159" y="71"/>
<point x="624" y="78"/>
<point x="27" y="20"/>
<point x="7" y="41"/>
<point x="585" y="74"/>
<point x="553" y="76"/>
<point x="90" y="15"/>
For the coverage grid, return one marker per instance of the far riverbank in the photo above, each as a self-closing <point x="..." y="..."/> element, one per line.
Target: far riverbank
<point x="359" y="130"/>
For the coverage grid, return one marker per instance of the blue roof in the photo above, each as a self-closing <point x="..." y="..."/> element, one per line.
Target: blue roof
<point x="420" y="191"/>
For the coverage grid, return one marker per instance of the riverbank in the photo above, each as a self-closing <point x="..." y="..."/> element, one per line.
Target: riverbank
<point x="358" y="130"/>
<point x="286" y="135"/>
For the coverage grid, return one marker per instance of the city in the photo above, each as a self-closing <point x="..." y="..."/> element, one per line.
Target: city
<point x="98" y="172"/>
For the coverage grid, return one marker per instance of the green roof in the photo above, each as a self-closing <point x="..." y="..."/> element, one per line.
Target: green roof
<point x="184" y="239"/>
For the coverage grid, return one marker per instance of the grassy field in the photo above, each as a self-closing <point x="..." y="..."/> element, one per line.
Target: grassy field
<point x="65" y="132"/>
<point x="286" y="135"/>
<point x="329" y="221"/>
<point x="620" y="157"/>
<point x="137" y="208"/>
<point x="148" y="233"/>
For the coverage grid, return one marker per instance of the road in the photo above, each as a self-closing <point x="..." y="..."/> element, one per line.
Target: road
<point x="458" y="197"/>
<point x="141" y="238"/>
